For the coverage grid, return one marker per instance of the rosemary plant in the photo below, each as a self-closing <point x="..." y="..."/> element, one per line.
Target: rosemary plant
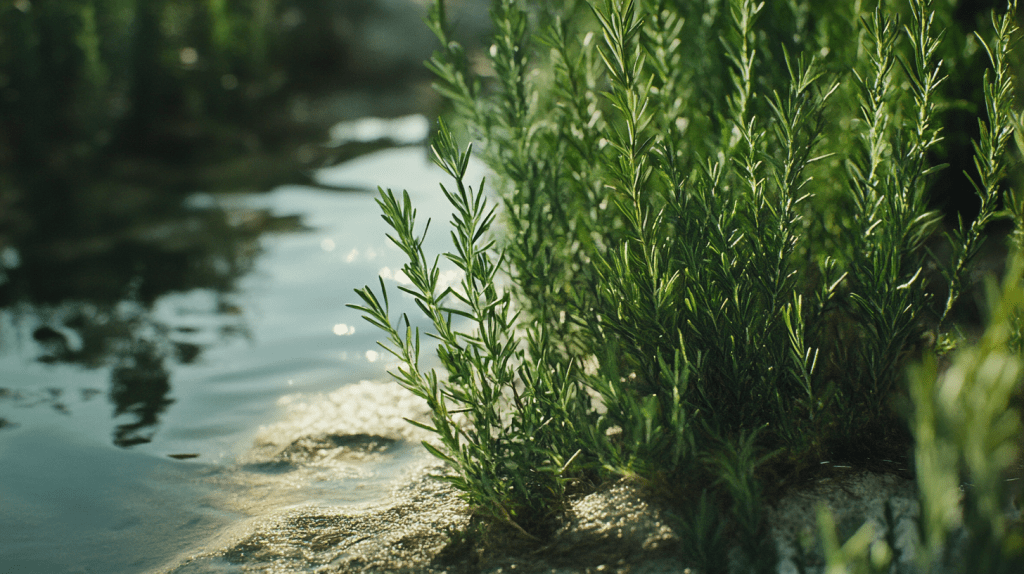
<point x="501" y="420"/>
<point x="714" y="264"/>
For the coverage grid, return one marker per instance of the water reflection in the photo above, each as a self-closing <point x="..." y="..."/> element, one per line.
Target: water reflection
<point x="135" y="298"/>
<point x="139" y="385"/>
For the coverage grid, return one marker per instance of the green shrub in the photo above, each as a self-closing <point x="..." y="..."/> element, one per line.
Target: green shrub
<point x="717" y="246"/>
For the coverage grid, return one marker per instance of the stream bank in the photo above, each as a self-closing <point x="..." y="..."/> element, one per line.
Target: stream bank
<point x="421" y="526"/>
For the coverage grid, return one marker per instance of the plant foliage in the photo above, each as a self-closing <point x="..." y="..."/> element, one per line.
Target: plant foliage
<point x="717" y="255"/>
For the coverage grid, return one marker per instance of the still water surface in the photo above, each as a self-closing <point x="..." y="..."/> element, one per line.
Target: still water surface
<point x="127" y="464"/>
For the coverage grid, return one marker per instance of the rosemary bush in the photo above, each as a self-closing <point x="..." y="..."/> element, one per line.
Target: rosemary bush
<point x="716" y="263"/>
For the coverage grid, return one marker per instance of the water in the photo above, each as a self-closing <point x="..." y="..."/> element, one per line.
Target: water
<point x="137" y="431"/>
